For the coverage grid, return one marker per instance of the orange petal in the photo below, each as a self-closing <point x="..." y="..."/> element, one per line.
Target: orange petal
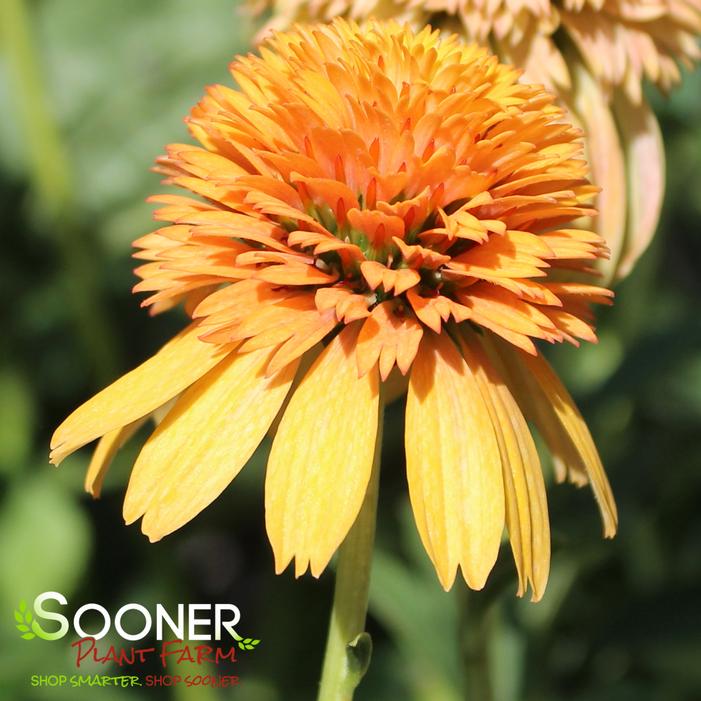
<point x="177" y="365"/>
<point x="505" y="314"/>
<point x="311" y="330"/>
<point x="388" y="336"/>
<point x="378" y="227"/>
<point x="514" y="254"/>
<point x="288" y="274"/>
<point x="328" y="191"/>
<point x="419" y="257"/>
<point x="400" y="280"/>
<point x="321" y="458"/>
<point x="453" y="464"/>
<point x="432" y="310"/>
<point x="204" y="441"/>
<point x="348" y="306"/>
<point x="373" y="272"/>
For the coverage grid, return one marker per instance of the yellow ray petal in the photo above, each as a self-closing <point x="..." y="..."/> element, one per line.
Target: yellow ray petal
<point x="107" y="447"/>
<point x="305" y="362"/>
<point x="524" y="487"/>
<point x="453" y="464"/>
<point x="182" y="361"/>
<point x="204" y="441"/>
<point x="568" y="463"/>
<point x="321" y="458"/>
<point x="562" y="403"/>
<point x="557" y="417"/>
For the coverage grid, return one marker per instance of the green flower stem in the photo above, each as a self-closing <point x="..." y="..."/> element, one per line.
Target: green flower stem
<point x="475" y="635"/>
<point x="348" y="647"/>
<point x="51" y="177"/>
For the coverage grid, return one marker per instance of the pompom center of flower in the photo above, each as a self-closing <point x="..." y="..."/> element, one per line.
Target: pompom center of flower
<point x="405" y="181"/>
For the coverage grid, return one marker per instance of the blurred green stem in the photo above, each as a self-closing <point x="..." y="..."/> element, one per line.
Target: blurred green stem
<point x="348" y="647"/>
<point x="51" y="175"/>
<point x="474" y="633"/>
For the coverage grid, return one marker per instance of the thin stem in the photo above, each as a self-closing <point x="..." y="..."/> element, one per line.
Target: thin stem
<point x="51" y="177"/>
<point x="348" y="647"/>
<point x="474" y="632"/>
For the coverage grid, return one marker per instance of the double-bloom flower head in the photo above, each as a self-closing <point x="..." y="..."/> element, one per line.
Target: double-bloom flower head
<point x="373" y="213"/>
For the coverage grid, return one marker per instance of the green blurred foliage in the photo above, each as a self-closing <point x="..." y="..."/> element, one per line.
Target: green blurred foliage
<point x="620" y="620"/>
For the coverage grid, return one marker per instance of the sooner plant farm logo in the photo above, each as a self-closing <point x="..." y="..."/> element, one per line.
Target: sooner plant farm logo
<point x="226" y="616"/>
<point x="198" y="634"/>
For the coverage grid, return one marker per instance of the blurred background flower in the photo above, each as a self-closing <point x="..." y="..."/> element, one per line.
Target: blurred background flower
<point x="108" y="83"/>
<point x="596" y="55"/>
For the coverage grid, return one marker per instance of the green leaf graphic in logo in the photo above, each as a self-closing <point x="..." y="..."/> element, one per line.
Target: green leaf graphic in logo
<point x="246" y="643"/>
<point x="23" y="618"/>
<point x="29" y="627"/>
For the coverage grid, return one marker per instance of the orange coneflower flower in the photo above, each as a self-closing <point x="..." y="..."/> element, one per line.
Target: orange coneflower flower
<point x="594" y="54"/>
<point x="372" y="204"/>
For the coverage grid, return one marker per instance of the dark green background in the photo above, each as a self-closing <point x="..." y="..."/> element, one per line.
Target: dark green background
<point x="620" y="620"/>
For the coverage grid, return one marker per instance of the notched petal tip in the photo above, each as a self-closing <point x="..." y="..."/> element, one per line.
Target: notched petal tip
<point x="317" y="568"/>
<point x="301" y="566"/>
<point x="281" y="560"/>
<point x="610" y="527"/>
<point x="536" y="597"/>
<point x="130" y="515"/>
<point x="447" y="584"/>
<point x="477" y="580"/>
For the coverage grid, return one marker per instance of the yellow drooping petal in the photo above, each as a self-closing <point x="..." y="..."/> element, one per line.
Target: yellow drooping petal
<point x="568" y="463"/>
<point x="560" y="401"/>
<point x="182" y="361"/>
<point x="109" y="445"/>
<point x="645" y="159"/>
<point x="524" y="487"/>
<point x="204" y="441"/>
<point x="553" y="410"/>
<point x="321" y="459"/>
<point x="104" y="453"/>
<point x="453" y="464"/>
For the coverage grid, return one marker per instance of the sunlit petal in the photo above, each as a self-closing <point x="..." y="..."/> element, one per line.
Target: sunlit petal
<point x="321" y="459"/>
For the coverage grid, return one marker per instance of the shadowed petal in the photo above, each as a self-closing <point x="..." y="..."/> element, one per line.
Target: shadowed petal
<point x="542" y="395"/>
<point x="605" y="158"/>
<point x="107" y="447"/>
<point x="645" y="158"/>
<point x="524" y="487"/>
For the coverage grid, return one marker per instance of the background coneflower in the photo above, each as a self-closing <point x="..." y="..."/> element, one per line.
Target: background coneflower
<point x="371" y="205"/>
<point x="595" y="54"/>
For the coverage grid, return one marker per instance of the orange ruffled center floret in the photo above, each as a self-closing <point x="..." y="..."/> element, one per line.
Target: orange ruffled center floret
<point x="398" y="179"/>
